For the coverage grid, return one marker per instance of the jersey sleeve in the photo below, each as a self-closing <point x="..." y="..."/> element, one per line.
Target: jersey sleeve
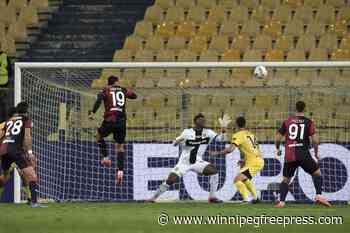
<point x="236" y="139"/>
<point x="212" y="135"/>
<point x="312" y="128"/>
<point x="182" y="136"/>
<point x="283" y="129"/>
<point x="28" y="124"/>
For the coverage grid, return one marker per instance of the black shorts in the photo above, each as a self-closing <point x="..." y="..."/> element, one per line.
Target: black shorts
<point x="9" y="158"/>
<point x="308" y="164"/>
<point x="117" y="128"/>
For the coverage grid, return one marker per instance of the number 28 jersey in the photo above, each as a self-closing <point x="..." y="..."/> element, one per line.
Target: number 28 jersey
<point x="114" y="98"/>
<point x="297" y="131"/>
<point x="14" y="134"/>
<point x="247" y="145"/>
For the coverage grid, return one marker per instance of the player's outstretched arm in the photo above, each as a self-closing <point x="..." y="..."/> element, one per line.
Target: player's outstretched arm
<point x="278" y="139"/>
<point x="225" y="151"/>
<point x="131" y="94"/>
<point x="96" y="106"/>
<point x="316" y="142"/>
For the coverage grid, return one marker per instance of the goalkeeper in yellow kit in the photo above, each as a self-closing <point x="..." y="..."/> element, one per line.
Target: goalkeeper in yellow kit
<point x="252" y="162"/>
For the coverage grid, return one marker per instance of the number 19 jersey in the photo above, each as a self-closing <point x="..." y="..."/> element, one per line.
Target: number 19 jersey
<point x="297" y="131"/>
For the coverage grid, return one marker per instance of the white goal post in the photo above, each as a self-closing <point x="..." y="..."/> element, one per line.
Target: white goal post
<point x="20" y="66"/>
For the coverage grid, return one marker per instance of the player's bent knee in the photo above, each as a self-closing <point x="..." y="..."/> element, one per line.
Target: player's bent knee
<point x="210" y="170"/>
<point x="30" y="174"/>
<point x="317" y="172"/>
<point x="171" y="179"/>
<point x="286" y="180"/>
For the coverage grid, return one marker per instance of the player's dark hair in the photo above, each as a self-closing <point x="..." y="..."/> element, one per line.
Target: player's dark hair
<point x="22" y="108"/>
<point x="240" y="122"/>
<point x="112" y="79"/>
<point x="199" y="115"/>
<point x="300" y="106"/>
<point x="11" y="111"/>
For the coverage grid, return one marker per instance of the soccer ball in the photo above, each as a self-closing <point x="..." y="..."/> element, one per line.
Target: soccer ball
<point x="260" y="72"/>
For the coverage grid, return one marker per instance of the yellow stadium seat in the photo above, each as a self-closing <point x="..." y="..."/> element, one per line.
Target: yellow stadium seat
<point x="253" y="82"/>
<point x="326" y="14"/>
<point x="260" y="14"/>
<point x="284" y="43"/>
<point x="154" y="74"/>
<point x="17" y="4"/>
<point x="164" y="4"/>
<point x="315" y="28"/>
<point x="339" y="28"/>
<point x="270" y="4"/>
<point x="166" y="29"/>
<point x="306" y="42"/>
<point x="175" y="14"/>
<point x="336" y="3"/>
<point x="41" y="5"/>
<point x="207" y="29"/>
<point x="318" y="54"/>
<point x="328" y="41"/>
<point x="283" y="14"/>
<point x="299" y="82"/>
<point x="8" y="15"/>
<point x="281" y="77"/>
<point x="154" y="14"/>
<point x="133" y="74"/>
<point x="176" y="43"/>
<point x="217" y="14"/>
<point x="231" y="55"/>
<point x="241" y="42"/>
<point x="344" y="13"/>
<point x="274" y="55"/>
<point x="345" y="43"/>
<point x="8" y="45"/>
<point x="29" y="15"/>
<point x="191" y="82"/>
<point x="275" y="82"/>
<point x="293" y="3"/>
<point x="229" y="28"/>
<point x="18" y="31"/>
<point x="296" y="55"/>
<point x="122" y="55"/>
<point x="2" y="31"/>
<point x="219" y="44"/>
<point x="211" y="83"/>
<point x="143" y="29"/>
<point x="252" y="55"/>
<point x="178" y="73"/>
<point x="186" y="29"/>
<point x="340" y="55"/>
<point x="196" y="15"/>
<point x="145" y="83"/>
<point x="106" y="73"/>
<point x="329" y="75"/>
<point x="314" y="4"/>
<point x="207" y="4"/>
<point x="239" y="14"/>
<point x="273" y="28"/>
<point x="304" y="14"/>
<point x="250" y="4"/>
<point x="220" y="74"/>
<point x="144" y="56"/>
<point x="262" y="42"/>
<point x="307" y="74"/>
<point x="251" y="28"/>
<point x="198" y="74"/>
<point x="154" y="43"/>
<point x="186" y="4"/>
<point x="132" y="43"/>
<point x="294" y="28"/>
<point x="228" y="4"/>
<point x="167" y="83"/>
<point x="209" y="56"/>
<point x="166" y="55"/>
<point x="3" y="3"/>
<point x="232" y="82"/>
<point x="186" y="56"/>
<point x="198" y="44"/>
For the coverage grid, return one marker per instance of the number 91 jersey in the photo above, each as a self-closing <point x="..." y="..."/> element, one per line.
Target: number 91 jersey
<point x="297" y="131"/>
<point x="14" y="134"/>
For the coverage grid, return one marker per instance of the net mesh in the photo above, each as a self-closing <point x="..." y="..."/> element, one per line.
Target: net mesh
<point x="69" y="158"/>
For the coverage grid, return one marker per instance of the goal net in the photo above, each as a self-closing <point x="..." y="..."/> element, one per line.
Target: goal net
<point x="169" y="95"/>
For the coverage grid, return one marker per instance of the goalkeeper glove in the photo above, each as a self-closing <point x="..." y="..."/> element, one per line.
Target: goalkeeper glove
<point x="278" y="154"/>
<point x="91" y="115"/>
<point x="224" y="121"/>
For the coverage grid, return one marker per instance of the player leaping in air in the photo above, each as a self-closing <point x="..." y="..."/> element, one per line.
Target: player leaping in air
<point x="114" y="98"/>
<point x="190" y="160"/>
<point x="252" y="162"/>
<point x="16" y="143"/>
<point x="298" y="130"/>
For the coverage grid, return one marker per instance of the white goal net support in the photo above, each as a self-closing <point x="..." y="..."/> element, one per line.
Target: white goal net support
<point x="61" y="94"/>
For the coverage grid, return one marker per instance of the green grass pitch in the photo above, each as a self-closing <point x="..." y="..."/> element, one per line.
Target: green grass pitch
<point x="142" y="217"/>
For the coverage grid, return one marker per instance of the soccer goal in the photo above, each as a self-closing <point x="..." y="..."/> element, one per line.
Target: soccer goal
<point x="170" y="94"/>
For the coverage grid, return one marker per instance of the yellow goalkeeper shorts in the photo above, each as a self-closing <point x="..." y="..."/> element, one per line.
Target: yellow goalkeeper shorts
<point x="253" y="166"/>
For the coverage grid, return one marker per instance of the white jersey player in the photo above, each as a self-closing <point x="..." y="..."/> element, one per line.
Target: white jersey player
<point x="190" y="160"/>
